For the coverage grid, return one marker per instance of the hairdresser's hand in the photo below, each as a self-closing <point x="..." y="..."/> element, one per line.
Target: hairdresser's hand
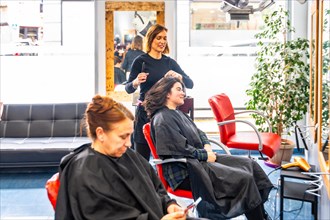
<point x="173" y="74"/>
<point x="208" y="147"/>
<point x="211" y="156"/>
<point x="141" y="78"/>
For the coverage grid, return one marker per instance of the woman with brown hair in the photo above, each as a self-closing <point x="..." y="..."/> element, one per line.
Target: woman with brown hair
<point x="146" y="70"/>
<point x="228" y="185"/>
<point x="108" y="180"/>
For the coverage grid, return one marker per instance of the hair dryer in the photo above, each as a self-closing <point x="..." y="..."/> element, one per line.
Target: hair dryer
<point x="298" y="162"/>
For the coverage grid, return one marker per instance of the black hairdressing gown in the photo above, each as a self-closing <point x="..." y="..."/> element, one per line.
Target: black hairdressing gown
<point x="229" y="187"/>
<point x="94" y="186"/>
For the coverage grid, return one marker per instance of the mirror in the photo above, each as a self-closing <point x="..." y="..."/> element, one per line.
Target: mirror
<point x="324" y="91"/>
<point x="313" y="104"/>
<point x="325" y="70"/>
<point x="110" y="8"/>
<point x="128" y="25"/>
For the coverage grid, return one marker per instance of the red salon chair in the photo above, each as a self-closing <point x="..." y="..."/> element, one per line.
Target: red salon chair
<point x="52" y="186"/>
<point x="159" y="162"/>
<point x="265" y="142"/>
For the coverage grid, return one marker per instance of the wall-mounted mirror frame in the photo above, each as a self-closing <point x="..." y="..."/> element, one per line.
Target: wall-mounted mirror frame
<point x="110" y="7"/>
<point x="313" y="94"/>
<point x="323" y="92"/>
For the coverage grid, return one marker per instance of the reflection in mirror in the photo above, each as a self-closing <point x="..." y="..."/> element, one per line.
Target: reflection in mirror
<point x="325" y="78"/>
<point x="323" y="133"/>
<point x="312" y="94"/>
<point x="313" y="70"/>
<point x="127" y="25"/>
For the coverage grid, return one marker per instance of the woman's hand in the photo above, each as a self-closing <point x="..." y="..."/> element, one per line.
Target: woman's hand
<point x="175" y="212"/>
<point x="211" y="156"/>
<point x="141" y="78"/>
<point x="174" y="208"/>
<point x="175" y="216"/>
<point x="173" y="74"/>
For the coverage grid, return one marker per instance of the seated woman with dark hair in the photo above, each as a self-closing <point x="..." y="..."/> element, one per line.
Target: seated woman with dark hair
<point x="228" y="185"/>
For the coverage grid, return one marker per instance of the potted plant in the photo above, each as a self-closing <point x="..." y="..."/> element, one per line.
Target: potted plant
<point x="280" y="86"/>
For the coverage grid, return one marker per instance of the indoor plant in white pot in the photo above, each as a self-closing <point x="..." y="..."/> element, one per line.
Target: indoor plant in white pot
<point x="280" y="86"/>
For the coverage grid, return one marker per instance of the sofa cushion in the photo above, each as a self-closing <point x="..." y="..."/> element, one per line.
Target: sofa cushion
<point x="39" y="135"/>
<point x="42" y="120"/>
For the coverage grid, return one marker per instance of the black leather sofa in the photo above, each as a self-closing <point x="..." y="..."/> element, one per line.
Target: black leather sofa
<point x="39" y="135"/>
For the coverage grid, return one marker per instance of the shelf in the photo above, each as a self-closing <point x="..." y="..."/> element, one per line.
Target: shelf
<point x="296" y="191"/>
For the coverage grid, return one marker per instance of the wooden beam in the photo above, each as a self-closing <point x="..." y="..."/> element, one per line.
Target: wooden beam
<point x="134" y="6"/>
<point x="161" y="17"/>
<point x="109" y="54"/>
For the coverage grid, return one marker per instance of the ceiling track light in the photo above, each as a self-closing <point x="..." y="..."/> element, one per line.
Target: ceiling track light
<point x="240" y="9"/>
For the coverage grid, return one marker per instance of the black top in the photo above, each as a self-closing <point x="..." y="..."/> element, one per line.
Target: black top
<point x="156" y="68"/>
<point x="129" y="58"/>
<point x="120" y="76"/>
<point x="96" y="186"/>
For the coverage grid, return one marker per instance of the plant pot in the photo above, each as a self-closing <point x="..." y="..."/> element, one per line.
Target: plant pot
<point x="285" y="152"/>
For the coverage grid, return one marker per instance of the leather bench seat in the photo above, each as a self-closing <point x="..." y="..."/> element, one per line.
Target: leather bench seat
<point x="39" y="135"/>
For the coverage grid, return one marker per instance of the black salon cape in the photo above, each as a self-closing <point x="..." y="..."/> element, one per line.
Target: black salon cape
<point x="229" y="187"/>
<point x="97" y="187"/>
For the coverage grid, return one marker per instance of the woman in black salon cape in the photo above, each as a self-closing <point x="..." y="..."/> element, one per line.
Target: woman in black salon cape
<point x="228" y="185"/>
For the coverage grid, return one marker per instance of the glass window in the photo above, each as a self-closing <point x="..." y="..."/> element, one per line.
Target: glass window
<point x="216" y="49"/>
<point x="217" y="24"/>
<point x="47" y="51"/>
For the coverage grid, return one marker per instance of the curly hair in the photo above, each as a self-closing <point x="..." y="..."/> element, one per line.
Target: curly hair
<point x="102" y="112"/>
<point x="156" y="97"/>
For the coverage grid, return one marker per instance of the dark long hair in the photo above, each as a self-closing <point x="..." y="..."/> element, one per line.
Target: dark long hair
<point x="156" y="97"/>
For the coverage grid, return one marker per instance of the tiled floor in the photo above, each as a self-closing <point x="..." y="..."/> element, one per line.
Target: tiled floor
<point x="23" y="196"/>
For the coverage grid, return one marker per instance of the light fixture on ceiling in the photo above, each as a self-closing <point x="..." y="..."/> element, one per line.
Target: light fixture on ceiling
<point x="241" y="9"/>
<point x="142" y="24"/>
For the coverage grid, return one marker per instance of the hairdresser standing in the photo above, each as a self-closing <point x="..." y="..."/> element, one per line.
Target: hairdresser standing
<point x="146" y="70"/>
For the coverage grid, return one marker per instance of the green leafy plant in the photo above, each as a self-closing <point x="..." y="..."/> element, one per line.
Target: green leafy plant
<point x="280" y="86"/>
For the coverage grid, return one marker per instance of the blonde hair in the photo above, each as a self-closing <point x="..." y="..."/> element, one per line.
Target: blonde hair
<point x="137" y="43"/>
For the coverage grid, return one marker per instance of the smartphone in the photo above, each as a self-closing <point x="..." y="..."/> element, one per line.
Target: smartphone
<point x="192" y="205"/>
